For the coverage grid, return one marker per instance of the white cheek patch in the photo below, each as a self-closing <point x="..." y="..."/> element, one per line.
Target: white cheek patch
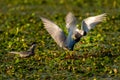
<point x="80" y="31"/>
<point x="77" y="30"/>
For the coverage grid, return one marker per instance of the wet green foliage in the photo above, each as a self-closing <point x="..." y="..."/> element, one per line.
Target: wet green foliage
<point x="95" y="57"/>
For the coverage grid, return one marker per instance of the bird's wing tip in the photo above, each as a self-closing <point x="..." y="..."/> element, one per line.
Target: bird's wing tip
<point x="104" y="14"/>
<point x="69" y="12"/>
<point x="11" y="52"/>
<point x="42" y="18"/>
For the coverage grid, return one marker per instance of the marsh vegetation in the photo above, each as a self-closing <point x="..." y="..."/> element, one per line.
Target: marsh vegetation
<point x="95" y="57"/>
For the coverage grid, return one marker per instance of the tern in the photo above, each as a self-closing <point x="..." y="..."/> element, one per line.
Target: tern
<point x="74" y="34"/>
<point x="27" y="53"/>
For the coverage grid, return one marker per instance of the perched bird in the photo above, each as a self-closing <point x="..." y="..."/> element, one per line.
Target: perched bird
<point x="74" y="34"/>
<point x="27" y="53"/>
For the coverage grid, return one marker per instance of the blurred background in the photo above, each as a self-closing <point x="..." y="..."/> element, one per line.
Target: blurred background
<point x="97" y="56"/>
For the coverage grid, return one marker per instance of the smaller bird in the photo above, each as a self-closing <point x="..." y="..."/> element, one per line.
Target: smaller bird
<point x="29" y="52"/>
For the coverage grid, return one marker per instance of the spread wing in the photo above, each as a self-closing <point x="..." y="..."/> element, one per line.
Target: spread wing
<point x="70" y="22"/>
<point x="72" y="29"/>
<point x="56" y="32"/>
<point x="90" y="22"/>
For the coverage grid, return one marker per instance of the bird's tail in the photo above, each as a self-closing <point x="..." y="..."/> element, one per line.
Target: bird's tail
<point x="13" y="52"/>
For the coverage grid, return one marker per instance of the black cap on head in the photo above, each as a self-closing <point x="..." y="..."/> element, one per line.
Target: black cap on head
<point x="34" y="43"/>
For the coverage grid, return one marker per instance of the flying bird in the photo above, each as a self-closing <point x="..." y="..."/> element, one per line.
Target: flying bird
<point x="27" y="53"/>
<point x="74" y="34"/>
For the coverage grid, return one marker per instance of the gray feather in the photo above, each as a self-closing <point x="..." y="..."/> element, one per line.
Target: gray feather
<point x="56" y="32"/>
<point x="70" y="22"/>
<point x="90" y="22"/>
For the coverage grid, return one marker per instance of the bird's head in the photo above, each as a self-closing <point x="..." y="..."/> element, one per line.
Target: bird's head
<point x="77" y="35"/>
